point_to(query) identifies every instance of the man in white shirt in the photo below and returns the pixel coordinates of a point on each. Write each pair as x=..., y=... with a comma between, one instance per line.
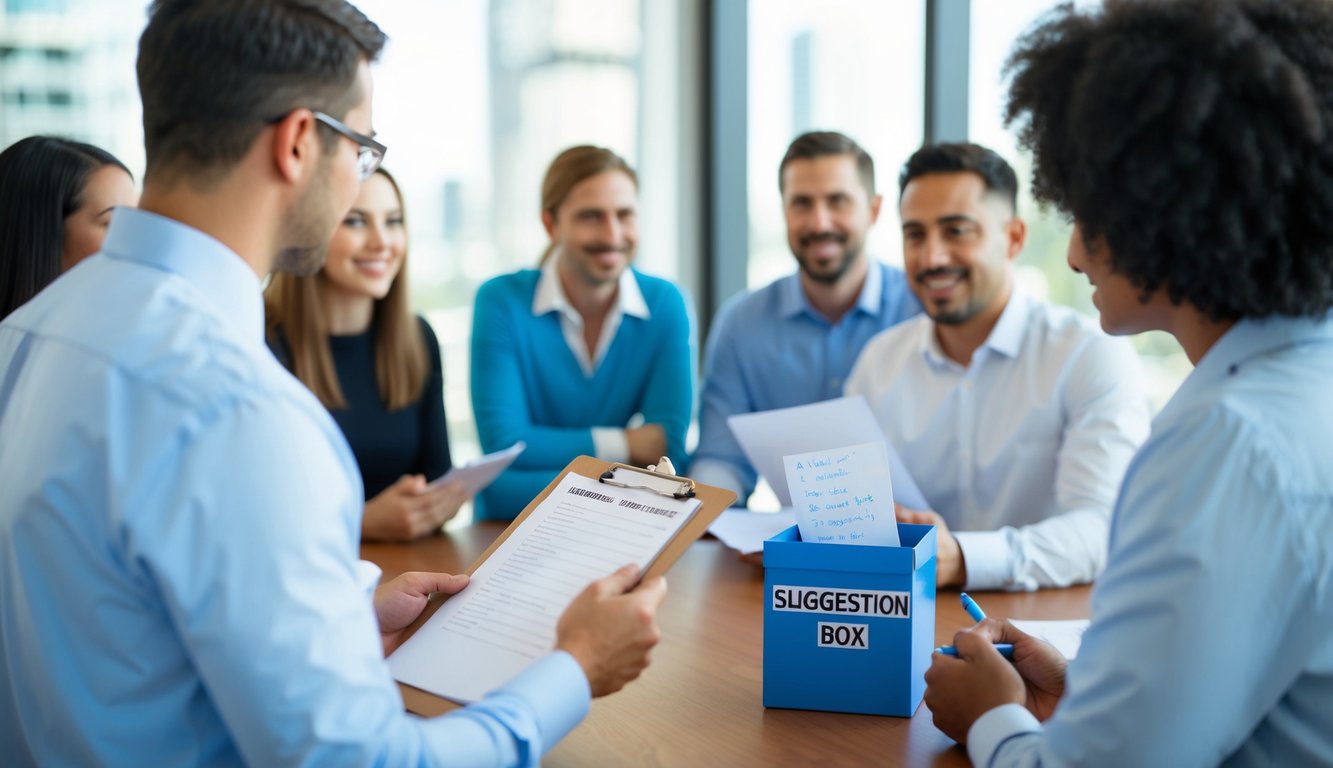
x=1017, y=418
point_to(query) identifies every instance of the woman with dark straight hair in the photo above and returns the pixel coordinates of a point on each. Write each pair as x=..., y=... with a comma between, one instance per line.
x=348, y=333
x=56, y=198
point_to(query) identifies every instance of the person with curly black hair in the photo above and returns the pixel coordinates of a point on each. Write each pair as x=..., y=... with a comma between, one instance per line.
x=1192, y=144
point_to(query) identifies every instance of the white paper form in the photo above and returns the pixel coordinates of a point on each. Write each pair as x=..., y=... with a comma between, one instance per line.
x=767, y=436
x=506, y=617
x=745, y=531
x=480, y=472
x=1065, y=634
x=843, y=495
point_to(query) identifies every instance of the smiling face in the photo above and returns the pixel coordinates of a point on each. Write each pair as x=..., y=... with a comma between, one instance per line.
x=595, y=229
x=1119, y=303
x=368, y=249
x=85, y=228
x=959, y=243
x=828, y=212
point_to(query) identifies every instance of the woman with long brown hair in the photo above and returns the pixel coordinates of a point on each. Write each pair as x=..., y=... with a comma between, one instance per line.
x=348, y=334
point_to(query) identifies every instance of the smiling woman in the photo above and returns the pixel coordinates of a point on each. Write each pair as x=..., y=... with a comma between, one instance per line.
x=56, y=198
x=347, y=334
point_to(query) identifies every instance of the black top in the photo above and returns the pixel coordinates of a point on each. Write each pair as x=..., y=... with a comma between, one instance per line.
x=387, y=444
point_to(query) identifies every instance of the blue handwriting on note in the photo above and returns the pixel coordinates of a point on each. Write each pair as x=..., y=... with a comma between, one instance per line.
x=843, y=495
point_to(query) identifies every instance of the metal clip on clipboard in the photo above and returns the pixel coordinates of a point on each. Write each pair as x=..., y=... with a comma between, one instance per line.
x=628, y=476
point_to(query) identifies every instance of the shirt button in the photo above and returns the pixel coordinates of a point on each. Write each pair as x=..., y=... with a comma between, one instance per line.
x=967, y=385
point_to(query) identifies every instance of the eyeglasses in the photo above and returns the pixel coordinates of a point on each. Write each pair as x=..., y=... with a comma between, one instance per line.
x=369, y=152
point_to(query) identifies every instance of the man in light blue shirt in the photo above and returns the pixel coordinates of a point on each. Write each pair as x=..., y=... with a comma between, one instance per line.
x=179, y=517
x=793, y=342
x=1200, y=206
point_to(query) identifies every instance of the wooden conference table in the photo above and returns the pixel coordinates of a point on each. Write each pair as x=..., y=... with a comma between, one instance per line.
x=700, y=702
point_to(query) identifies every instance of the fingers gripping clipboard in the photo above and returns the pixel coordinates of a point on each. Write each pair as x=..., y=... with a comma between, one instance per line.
x=595, y=478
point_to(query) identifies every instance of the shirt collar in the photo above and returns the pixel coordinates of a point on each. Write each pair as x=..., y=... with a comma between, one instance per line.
x=792, y=300
x=218, y=273
x=1247, y=340
x=1006, y=338
x=550, y=294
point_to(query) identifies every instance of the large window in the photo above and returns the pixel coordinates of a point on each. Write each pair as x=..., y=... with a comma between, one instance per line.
x=854, y=66
x=67, y=67
x=474, y=99
x=1043, y=269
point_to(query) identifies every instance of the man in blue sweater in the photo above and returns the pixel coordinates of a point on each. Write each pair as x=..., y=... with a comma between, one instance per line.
x=566, y=357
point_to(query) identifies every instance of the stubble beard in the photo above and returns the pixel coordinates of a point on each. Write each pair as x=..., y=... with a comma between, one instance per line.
x=306, y=229
x=843, y=265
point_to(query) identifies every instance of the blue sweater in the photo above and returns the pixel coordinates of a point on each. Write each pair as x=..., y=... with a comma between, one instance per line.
x=527, y=385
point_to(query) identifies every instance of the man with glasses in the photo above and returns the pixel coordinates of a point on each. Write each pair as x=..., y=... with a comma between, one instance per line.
x=369, y=153
x=179, y=517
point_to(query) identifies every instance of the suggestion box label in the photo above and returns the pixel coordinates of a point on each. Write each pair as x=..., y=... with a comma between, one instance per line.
x=847, y=602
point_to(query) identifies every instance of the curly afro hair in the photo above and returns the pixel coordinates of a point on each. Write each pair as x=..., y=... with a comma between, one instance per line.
x=1196, y=138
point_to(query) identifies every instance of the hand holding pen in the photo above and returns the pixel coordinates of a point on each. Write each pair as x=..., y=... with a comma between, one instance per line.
x=1006, y=649
x=962, y=686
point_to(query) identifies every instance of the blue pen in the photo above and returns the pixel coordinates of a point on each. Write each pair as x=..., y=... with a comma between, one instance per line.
x=1006, y=650
x=971, y=607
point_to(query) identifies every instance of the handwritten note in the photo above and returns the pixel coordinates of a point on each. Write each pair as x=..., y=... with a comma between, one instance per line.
x=843, y=495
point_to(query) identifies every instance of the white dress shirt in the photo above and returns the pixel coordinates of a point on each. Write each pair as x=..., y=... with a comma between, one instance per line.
x=609, y=443
x=1021, y=451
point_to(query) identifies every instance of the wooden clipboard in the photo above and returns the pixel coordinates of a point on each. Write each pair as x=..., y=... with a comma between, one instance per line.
x=712, y=502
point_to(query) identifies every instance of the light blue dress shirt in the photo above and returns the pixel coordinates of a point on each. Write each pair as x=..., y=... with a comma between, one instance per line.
x=1212, y=627
x=179, y=519
x=772, y=349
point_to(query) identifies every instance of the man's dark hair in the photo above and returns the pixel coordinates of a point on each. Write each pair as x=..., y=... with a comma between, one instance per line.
x=997, y=174
x=809, y=146
x=42, y=181
x=212, y=75
x=1194, y=138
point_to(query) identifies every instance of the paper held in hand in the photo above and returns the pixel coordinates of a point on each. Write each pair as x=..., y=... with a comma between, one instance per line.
x=767, y=436
x=843, y=495
x=505, y=618
x=480, y=472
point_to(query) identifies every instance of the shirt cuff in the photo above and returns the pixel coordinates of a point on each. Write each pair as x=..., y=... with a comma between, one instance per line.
x=986, y=555
x=610, y=444
x=557, y=690
x=721, y=474
x=368, y=577
x=996, y=727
